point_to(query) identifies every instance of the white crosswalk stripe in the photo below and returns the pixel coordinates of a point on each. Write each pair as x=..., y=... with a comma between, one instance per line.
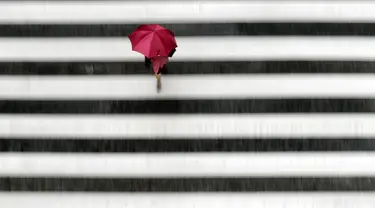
x=210, y=49
x=226, y=200
x=185, y=11
x=188, y=165
x=189, y=126
x=188, y=87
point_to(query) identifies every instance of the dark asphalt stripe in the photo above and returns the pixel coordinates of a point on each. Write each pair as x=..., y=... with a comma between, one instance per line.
x=158, y=145
x=200, y=29
x=214, y=106
x=188, y=184
x=245, y=67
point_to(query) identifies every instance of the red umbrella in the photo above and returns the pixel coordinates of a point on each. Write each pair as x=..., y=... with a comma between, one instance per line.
x=152, y=40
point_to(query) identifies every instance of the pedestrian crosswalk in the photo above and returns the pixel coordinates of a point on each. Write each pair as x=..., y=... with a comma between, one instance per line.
x=266, y=104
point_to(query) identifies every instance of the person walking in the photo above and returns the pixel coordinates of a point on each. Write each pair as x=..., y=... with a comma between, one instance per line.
x=157, y=44
x=159, y=66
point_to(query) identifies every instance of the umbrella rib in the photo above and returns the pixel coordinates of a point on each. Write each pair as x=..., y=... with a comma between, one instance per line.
x=160, y=39
x=143, y=37
x=163, y=40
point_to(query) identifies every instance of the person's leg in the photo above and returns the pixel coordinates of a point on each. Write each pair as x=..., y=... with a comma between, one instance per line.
x=162, y=70
x=158, y=81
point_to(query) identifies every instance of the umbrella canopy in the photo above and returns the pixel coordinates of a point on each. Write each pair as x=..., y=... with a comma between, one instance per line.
x=153, y=40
